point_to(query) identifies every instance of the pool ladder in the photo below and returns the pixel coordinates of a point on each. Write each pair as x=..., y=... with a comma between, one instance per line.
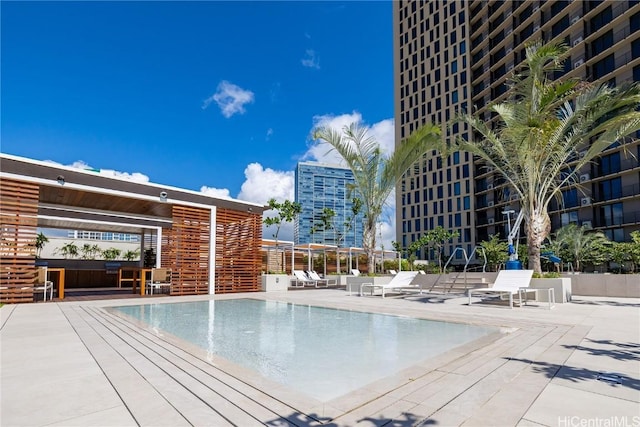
x=454, y=281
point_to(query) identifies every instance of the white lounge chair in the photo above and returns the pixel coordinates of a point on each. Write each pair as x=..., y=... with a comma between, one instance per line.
x=315, y=276
x=301, y=279
x=510, y=283
x=355, y=271
x=399, y=282
x=393, y=272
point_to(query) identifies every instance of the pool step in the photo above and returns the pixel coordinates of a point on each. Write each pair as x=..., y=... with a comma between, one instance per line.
x=460, y=283
x=184, y=389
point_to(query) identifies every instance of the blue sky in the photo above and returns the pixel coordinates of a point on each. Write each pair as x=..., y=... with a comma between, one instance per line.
x=217, y=97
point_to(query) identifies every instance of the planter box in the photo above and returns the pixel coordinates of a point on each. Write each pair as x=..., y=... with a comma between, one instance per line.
x=275, y=282
x=354, y=282
x=561, y=288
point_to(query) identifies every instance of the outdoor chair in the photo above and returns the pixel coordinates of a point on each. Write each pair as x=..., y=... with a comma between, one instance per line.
x=400, y=282
x=301, y=279
x=509, y=283
x=160, y=280
x=355, y=271
x=42, y=284
x=315, y=276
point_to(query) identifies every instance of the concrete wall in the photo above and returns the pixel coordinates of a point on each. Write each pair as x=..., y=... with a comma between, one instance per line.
x=605, y=285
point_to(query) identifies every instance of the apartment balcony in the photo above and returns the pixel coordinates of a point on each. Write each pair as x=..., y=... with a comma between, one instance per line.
x=601, y=196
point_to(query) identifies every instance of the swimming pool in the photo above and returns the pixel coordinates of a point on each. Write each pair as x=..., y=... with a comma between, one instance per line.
x=322, y=352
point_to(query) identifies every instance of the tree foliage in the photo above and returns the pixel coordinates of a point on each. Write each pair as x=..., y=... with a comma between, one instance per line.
x=436, y=239
x=634, y=250
x=41, y=240
x=496, y=251
x=541, y=127
x=284, y=212
x=89, y=251
x=68, y=250
x=131, y=255
x=376, y=173
x=579, y=245
x=111, y=253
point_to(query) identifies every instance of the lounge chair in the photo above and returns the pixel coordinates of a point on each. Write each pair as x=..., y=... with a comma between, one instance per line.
x=355, y=271
x=510, y=283
x=315, y=276
x=393, y=272
x=301, y=279
x=399, y=282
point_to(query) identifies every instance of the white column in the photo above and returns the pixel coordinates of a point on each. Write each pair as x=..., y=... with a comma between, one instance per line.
x=159, y=248
x=212, y=252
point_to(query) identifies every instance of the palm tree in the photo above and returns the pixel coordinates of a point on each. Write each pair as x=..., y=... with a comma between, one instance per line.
x=68, y=250
x=580, y=244
x=41, y=239
x=376, y=173
x=541, y=127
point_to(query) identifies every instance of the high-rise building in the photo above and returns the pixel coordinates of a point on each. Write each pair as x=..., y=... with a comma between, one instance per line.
x=320, y=186
x=453, y=56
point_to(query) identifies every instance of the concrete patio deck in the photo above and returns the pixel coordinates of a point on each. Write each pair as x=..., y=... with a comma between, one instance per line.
x=76, y=364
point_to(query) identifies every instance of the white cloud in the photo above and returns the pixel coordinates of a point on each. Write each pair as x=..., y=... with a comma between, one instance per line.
x=311, y=59
x=135, y=176
x=81, y=165
x=262, y=184
x=269, y=134
x=221, y=193
x=383, y=132
x=230, y=98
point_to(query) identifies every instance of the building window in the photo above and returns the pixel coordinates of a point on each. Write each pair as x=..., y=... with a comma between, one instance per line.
x=635, y=49
x=569, y=218
x=570, y=198
x=616, y=234
x=601, y=19
x=603, y=67
x=611, y=214
x=634, y=22
x=609, y=164
x=610, y=189
x=602, y=43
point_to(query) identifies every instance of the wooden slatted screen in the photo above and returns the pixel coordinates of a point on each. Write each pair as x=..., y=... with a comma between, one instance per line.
x=185, y=250
x=238, y=244
x=18, y=222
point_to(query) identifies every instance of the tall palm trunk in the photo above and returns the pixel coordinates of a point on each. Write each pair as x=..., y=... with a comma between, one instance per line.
x=369, y=245
x=538, y=227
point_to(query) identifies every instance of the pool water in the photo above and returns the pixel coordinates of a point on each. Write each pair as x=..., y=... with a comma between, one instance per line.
x=322, y=352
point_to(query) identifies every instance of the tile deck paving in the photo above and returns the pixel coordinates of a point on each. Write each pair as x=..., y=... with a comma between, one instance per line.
x=75, y=363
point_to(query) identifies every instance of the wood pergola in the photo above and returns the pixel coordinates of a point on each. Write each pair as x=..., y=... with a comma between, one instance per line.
x=212, y=245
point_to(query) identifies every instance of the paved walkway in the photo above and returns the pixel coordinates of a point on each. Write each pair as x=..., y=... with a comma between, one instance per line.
x=76, y=364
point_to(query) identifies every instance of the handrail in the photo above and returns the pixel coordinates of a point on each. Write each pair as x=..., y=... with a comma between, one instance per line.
x=484, y=255
x=447, y=263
